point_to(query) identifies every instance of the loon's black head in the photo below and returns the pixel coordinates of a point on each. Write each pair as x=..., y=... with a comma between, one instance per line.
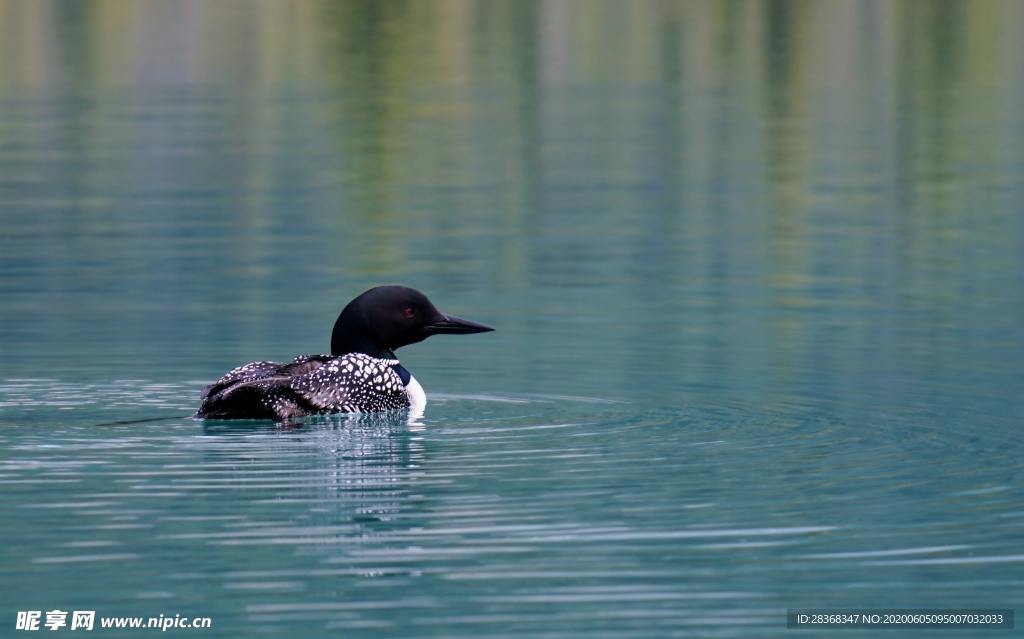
x=389, y=317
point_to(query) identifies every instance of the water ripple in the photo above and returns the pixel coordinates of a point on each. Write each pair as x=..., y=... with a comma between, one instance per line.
x=533, y=509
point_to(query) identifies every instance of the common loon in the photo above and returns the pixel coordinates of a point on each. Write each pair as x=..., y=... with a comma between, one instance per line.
x=361, y=374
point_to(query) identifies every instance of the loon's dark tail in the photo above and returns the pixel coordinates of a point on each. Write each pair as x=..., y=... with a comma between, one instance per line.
x=126, y=422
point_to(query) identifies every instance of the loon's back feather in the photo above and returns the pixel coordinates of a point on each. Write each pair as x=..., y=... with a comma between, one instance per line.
x=245, y=373
x=310, y=384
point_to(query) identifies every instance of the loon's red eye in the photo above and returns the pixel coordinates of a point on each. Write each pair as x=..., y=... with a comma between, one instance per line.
x=410, y=312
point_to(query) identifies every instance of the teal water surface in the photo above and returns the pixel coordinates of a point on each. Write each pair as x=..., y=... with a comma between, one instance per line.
x=756, y=270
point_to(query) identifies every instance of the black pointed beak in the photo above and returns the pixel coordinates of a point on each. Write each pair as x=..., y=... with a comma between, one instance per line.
x=451, y=325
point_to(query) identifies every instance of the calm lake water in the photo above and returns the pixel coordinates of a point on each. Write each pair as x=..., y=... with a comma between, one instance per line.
x=756, y=270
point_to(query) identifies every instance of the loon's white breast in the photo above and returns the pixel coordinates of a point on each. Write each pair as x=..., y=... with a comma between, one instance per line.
x=417, y=398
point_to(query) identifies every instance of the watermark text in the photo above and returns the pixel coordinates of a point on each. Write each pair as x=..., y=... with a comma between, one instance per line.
x=86, y=620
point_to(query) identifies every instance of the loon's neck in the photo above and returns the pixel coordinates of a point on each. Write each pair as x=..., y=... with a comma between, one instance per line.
x=345, y=344
x=388, y=358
